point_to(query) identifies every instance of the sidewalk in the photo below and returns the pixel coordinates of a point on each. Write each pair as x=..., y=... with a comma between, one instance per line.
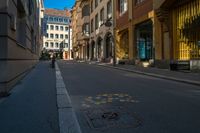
x=31, y=107
x=179, y=76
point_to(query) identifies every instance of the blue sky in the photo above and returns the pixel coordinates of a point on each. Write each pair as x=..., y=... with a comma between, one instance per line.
x=59, y=4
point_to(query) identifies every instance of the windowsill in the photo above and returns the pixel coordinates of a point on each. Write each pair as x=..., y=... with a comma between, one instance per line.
x=139, y=4
x=121, y=14
x=19, y=44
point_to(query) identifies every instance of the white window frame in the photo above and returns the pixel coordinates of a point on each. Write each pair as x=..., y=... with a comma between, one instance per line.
x=123, y=5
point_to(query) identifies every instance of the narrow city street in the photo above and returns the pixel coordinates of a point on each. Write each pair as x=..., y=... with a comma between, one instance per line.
x=114, y=101
x=100, y=66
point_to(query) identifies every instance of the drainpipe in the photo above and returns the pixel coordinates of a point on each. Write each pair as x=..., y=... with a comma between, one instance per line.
x=114, y=30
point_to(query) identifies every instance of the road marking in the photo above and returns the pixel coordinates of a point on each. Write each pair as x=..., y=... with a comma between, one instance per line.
x=68, y=122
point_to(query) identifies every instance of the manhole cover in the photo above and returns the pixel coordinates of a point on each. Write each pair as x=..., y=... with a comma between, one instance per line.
x=110, y=116
x=104, y=118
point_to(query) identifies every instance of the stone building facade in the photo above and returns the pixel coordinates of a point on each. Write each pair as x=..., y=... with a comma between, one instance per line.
x=92, y=39
x=101, y=46
x=19, y=39
x=76, y=30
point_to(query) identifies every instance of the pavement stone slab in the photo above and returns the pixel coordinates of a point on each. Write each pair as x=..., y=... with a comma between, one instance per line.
x=63, y=101
x=68, y=121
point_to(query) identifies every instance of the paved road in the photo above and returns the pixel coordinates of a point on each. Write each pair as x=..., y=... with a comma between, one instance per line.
x=113, y=101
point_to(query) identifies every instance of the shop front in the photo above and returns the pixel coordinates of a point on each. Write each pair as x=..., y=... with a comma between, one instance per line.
x=144, y=41
x=108, y=46
x=99, y=48
x=186, y=30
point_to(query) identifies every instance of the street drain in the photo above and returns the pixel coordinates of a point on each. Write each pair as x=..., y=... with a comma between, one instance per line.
x=115, y=117
x=110, y=116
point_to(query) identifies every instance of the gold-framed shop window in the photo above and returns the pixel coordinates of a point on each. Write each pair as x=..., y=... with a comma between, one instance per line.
x=186, y=31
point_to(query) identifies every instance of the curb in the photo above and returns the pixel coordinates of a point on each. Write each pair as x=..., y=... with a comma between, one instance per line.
x=68, y=122
x=153, y=75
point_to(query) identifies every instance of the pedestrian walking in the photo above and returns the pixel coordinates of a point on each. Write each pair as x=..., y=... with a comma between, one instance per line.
x=53, y=59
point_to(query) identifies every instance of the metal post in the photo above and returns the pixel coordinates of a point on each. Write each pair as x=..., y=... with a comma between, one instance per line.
x=114, y=29
x=69, y=42
x=114, y=54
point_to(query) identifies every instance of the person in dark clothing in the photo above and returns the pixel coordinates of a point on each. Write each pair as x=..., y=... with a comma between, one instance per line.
x=53, y=61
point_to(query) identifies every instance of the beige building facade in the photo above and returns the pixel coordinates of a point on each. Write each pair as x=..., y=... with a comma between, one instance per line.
x=19, y=39
x=58, y=33
x=101, y=47
x=76, y=29
x=83, y=41
x=92, y=39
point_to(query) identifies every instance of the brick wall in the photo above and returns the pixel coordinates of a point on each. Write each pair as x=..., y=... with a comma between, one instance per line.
x=121, y=20
x=142, y=8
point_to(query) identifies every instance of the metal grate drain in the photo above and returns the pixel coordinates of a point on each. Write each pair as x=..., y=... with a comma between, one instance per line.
x=110, y=116
x=104, y=118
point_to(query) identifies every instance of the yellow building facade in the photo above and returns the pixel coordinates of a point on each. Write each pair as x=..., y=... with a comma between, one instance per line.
x=134, y=31
x=186, y=22
x=123, y=31
x=177, y=31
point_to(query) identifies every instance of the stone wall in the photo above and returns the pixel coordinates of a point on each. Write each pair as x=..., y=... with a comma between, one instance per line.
x=15, y=58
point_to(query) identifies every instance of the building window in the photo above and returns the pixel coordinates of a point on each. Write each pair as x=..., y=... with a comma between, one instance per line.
x=21, y=28
x=61, y=28
x=96, y=21
x=52, y=44
x=47, y=35
x=51, y=19
x=60, y=20
x=61, y=36
x=109, y=9
x=52, y=27
x=51, y=36
x=56, y=36
x=56, y=19
x=85, y=11
x=66, y=28
x=57, y=28
x=92, y=3
x=101, y=16
x=138, y=1
x=66, y=45
x=56, y=45
x=123, y=6
x=96, y=3
x=47, y=27
x=86, y=29
x=92, y=25
x=66, y=36
x=65, y=20
x=61, y=45
x=46, y=44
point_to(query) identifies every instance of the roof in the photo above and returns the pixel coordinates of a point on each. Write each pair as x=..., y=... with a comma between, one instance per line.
x=57, y=12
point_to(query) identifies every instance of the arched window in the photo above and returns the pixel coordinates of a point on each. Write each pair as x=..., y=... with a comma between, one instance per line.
x=86, y=11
